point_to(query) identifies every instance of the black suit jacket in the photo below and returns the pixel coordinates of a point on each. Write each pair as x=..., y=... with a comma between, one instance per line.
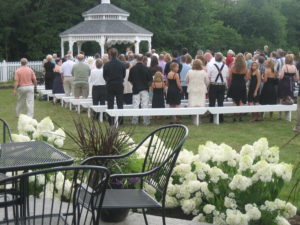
x=114, y=72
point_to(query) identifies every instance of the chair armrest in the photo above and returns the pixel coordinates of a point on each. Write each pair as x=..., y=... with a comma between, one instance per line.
x=109, y=157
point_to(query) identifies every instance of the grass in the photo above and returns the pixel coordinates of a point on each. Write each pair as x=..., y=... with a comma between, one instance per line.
x=236, y=135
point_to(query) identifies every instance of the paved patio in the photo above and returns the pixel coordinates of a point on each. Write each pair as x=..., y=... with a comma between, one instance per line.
x=137, y=219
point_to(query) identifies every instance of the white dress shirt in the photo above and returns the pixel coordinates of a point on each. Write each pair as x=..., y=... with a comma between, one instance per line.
x=96, y=78
x=213, y=72
x=67, y=67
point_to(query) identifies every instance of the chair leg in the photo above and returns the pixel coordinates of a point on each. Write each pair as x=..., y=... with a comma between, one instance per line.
x=145, y=216
x=163, y=214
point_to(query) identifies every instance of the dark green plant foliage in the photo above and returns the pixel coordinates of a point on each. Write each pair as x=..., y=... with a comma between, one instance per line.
x=30, y=28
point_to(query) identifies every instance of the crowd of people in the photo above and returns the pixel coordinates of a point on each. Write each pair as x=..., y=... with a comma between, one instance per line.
x=154, y=80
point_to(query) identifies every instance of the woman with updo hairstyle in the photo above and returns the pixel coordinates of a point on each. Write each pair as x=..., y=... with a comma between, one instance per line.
x=49, y=72
x=268, y=94
x=287, y=76
x=58, y=87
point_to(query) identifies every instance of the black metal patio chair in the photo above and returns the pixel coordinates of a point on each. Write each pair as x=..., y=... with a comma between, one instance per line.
x=6, y=133
x=164, y=145
x=50, y=197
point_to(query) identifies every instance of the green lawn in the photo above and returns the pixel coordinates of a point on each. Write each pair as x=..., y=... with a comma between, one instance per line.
x=278, y=132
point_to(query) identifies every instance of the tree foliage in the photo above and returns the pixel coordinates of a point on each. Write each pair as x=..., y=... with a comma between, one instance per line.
x=31, y=28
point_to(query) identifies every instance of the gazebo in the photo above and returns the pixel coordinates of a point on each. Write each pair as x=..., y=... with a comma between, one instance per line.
x=108, y=25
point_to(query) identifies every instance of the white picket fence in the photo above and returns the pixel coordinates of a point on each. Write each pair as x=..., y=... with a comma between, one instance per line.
x=8, y=69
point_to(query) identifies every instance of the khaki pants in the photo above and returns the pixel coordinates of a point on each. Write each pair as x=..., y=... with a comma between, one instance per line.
x=25, y=99
x=141, y=98
x=68, y=85
x=81, y=89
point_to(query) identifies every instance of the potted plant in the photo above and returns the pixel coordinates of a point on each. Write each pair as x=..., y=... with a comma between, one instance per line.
x=98, y=139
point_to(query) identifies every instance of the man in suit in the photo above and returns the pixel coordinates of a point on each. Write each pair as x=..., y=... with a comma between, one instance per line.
x=114, y=73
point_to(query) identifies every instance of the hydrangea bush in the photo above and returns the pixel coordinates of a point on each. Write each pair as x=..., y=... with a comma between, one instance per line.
x=224, y=187
x=31, y=130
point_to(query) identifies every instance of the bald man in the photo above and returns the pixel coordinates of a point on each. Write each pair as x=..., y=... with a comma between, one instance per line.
x=25, y=80
x=81, y=73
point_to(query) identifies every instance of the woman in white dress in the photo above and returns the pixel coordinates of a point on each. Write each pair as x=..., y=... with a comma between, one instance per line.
x=197, y=81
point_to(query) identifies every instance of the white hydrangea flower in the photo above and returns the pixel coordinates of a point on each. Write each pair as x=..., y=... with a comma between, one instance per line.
x=283, y=170
x=201, y=169
x=194, y=186
x=40, y=179
x=20, y=138
x=172, y=190
x=260, y=146
x=204, y=153
x=253, y=212
x=204, y=189
x=190, y=177
x=59, y=143
x=150, y=189
x=289, y=210
x=49, y=189
x=281, y=221
x=67, y=188
x=185, y=157
x=216, y=174
x=263, y=171
x=45, y=126
x=188, y=206
x=245, y=163
x=219, y=219
x=182, y=169
x=199, y=218
x=240, y=182
x=183, y=192
x=171, y=202
x=235, y=217
x=208, y=209
x=230, y=203
x=23, y=121
x=248, y=150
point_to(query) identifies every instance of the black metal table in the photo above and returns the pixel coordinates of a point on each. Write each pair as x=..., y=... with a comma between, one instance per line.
x=31, y=155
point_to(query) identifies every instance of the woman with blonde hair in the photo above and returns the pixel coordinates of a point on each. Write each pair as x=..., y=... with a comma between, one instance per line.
x=174, y=88
x=237, y=78
x=288, y=74
x=268, y=94
x=158, y=87
x=197, y=81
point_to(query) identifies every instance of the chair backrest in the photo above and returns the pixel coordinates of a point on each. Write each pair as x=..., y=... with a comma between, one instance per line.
x=5, y=132
x=164, y=145
x=55, y=196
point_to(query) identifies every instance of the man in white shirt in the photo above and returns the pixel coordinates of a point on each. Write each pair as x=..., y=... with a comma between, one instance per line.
x=218, y=75
x=67, y=75
x=209, y=59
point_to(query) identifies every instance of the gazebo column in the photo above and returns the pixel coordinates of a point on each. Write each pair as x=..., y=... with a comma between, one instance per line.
x=137, y=46
x=102, y=45
x=62, y=48
x=71, y=44
x=149, y=46
x=79, y=46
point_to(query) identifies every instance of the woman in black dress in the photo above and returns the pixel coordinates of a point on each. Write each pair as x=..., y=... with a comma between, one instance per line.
x=268, y=94
x=237, y=90
x=174, y=88
x=254, y=88
x=287, y=77
x=49, y=73
x=58, y=87
x=158, y=87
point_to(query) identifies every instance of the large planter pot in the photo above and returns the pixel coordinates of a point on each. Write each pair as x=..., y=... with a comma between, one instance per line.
x=114, y=215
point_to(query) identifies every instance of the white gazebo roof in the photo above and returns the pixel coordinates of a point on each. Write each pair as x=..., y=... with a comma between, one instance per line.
x=106, y=24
